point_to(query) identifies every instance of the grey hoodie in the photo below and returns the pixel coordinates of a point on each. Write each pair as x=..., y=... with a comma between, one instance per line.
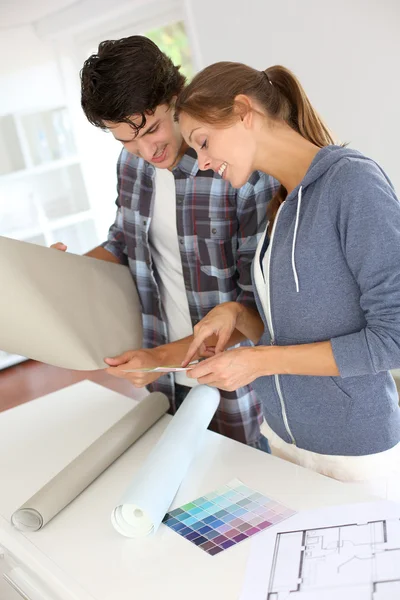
x=335, y=275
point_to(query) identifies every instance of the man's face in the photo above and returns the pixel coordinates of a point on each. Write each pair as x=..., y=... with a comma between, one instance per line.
x=159, y=142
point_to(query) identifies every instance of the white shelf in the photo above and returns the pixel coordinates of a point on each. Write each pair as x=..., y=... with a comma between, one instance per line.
x=40, y=169
x=43, y=193
x=24, y=234
x=35, y=139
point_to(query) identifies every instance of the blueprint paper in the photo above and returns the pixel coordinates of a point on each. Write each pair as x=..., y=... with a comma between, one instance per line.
x=66, y=310
x=348, y=552
x=81, y=472
x=154, y=486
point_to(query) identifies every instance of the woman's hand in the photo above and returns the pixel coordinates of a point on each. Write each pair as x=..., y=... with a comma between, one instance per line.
x=238, y=367
x=231, y=369
x=221, y=323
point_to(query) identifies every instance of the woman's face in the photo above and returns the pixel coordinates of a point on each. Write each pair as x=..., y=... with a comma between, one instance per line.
x=228, y=151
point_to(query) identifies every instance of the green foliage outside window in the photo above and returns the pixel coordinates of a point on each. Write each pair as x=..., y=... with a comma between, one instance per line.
x=172, y=39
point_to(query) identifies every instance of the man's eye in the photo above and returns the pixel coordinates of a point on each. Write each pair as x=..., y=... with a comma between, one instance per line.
x=153, y=130
x=204, y=145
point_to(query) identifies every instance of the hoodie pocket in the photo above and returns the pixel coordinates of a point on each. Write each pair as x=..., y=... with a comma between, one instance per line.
x=371, y=396
x=336, y=382
x=315, y=400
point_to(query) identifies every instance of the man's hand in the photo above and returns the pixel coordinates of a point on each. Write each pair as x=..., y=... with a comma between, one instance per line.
x=59, y=246
x=99, y=252
x=136, y=359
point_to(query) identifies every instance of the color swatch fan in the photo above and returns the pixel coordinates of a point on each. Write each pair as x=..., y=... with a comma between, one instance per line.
x=226, y=517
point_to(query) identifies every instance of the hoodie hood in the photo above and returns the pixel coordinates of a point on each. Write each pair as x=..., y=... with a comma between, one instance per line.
x=323, y=161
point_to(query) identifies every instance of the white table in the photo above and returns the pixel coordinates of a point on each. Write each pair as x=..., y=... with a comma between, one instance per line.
x=78, y=555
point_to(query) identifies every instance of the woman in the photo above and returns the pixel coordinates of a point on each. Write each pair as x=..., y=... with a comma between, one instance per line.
x=326, y=275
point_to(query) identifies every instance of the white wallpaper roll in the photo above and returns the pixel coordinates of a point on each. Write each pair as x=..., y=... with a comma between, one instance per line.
x=154, y=486
x=66, y=310
x=83, y=470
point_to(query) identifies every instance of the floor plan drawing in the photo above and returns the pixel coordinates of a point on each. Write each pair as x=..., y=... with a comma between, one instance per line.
x=357, y=562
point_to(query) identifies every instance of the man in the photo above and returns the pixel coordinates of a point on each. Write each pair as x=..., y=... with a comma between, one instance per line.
x=187, y=235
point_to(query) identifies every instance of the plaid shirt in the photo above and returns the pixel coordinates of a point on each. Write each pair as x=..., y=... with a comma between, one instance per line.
x=218, y=229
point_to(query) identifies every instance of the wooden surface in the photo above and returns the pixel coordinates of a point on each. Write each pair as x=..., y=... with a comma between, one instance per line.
x=30, y=380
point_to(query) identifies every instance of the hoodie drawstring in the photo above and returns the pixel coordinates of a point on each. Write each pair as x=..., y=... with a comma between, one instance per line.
x=296, y=225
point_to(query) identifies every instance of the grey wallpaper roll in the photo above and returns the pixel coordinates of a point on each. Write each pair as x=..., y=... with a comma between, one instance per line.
x=66, y=310
x=81, y=472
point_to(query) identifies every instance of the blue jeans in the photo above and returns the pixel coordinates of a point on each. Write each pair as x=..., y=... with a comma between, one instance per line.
x=261, y=444
x=181, y=391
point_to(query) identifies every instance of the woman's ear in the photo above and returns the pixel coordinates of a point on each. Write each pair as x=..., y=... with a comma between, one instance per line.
x=243, y=108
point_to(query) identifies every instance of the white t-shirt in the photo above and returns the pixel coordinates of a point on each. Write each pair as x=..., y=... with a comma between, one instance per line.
x=380, y=472
x=163, y=238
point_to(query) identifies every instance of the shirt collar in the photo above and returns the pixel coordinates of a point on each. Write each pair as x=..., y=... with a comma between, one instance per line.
x=188, y=163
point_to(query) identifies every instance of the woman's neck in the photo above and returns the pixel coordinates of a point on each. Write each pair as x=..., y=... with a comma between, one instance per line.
x=284, y=154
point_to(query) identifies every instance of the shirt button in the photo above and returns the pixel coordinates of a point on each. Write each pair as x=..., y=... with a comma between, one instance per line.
x=181, y=241
x=213, y=230
x=179, y=201
x=144, y=223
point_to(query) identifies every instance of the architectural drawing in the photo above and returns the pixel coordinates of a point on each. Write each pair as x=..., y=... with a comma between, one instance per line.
x=357, y=562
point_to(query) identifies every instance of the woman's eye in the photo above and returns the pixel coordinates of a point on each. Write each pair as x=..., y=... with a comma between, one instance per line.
x=204, y=145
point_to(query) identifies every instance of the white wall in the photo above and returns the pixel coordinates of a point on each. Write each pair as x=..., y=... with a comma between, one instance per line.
x=29, y=76
x=346, y=54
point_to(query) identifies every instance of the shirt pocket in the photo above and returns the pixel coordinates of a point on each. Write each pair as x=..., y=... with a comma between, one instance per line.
x=217, y=248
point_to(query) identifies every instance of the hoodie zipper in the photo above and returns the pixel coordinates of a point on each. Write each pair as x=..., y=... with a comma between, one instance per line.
x=272, y=333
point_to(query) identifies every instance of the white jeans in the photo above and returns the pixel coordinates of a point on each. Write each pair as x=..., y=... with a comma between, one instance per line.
x=374, y=474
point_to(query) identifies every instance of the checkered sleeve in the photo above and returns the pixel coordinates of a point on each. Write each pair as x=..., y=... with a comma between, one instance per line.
x=116, y=243
x=252, y=200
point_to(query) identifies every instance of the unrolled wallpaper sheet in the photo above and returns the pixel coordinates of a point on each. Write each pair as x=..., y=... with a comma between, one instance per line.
x=153, y=487
x=65, y=310
x=82, y=471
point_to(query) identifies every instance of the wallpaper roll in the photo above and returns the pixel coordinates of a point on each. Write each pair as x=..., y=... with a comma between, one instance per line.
x=66, y=310
x=83, y=470
x=154, y=486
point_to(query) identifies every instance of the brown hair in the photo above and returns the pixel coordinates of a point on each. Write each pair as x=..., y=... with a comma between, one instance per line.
x=210, y=98
x=127, y=77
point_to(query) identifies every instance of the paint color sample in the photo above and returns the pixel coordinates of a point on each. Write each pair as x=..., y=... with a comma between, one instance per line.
x=226, y=517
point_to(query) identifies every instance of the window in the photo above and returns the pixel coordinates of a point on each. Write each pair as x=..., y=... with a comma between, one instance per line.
x=173, y=41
